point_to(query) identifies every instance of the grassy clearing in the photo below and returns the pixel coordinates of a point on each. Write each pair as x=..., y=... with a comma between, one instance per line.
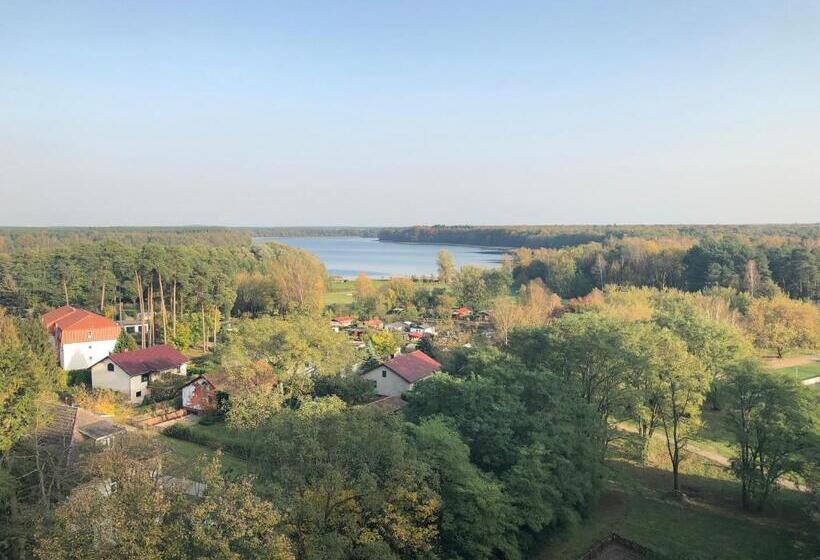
x=187, y=456
x=802, y=372
x=340, y=292
x=708, y=524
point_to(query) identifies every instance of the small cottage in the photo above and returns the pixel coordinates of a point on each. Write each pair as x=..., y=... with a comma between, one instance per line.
x=131, y=372
x=399, y=374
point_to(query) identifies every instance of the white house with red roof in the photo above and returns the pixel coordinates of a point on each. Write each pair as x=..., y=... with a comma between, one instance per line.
x=131, y=372
x=80, y=337
x=399, y=374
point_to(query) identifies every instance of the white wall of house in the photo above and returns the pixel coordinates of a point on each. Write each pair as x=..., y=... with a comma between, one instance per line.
x=80, y=355
x=118, y=380
x=388, y=382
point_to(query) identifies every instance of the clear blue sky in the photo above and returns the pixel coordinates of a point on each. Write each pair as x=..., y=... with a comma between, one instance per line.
x=399, y=113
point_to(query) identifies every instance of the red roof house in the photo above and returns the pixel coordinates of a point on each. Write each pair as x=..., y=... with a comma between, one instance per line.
x=399, y=374
x=462, y=312
x=132, y=372
x=153, y=359
x=80, y=337
x=342, y=321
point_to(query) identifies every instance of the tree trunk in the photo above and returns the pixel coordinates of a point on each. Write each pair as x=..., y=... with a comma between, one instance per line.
x=164, y=315
x=102, y=299
x=65, y=291
x=204, y=329
x=152, y=324
x=142, y=310
x=174, y=308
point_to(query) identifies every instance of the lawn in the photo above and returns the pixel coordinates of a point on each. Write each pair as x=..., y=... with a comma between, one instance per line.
x=188, y=453
x=804, y=371
x=186, y=457
x=340, y=292
x=707, y=524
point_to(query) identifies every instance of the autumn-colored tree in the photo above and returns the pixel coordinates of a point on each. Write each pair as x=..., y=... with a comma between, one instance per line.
x=782, y=323
x=365, y=295
x=446, y=266
x=299, y=281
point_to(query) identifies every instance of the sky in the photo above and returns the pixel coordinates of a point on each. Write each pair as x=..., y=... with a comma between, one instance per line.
x=403, y=113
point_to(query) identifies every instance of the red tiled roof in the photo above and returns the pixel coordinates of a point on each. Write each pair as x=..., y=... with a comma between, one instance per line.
x=71, y=324
x=343, y=319
x=463, y=311
x=413, y=366
x=146, y=360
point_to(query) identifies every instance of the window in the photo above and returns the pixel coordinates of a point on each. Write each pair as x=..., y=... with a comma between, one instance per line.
x=145, y=378
x=89, y=347
x=384, y=373
x=110, y=367
x=139, y=393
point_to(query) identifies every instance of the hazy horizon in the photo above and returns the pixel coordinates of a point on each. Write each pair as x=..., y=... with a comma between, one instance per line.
x=337, y=114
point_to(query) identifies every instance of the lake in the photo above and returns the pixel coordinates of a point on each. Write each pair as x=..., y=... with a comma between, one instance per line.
x=348, y=256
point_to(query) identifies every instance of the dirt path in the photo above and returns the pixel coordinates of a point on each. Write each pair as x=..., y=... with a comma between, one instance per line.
x=716, y=458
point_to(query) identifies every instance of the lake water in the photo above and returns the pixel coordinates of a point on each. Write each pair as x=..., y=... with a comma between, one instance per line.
x=348, y=256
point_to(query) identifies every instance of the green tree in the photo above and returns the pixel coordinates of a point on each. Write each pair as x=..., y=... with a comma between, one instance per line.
x=295, y=348
x=125, y=342
x=682, y=383
x=477, y=520
x=385, y=343
x=771, y=417
x=350, y=484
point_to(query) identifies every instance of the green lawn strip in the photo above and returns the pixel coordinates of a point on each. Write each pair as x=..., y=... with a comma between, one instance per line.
x=805, y=371
x=187, y=456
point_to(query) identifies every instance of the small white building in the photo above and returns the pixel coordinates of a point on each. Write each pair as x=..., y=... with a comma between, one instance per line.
x=80, y=337
x=130, y=373
x=399, y=374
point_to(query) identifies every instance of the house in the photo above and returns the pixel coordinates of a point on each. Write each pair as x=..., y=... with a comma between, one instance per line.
x=131, y=372
x=396, y=326
x=341, y=321
x=80, y=338
x=374, y=324
x=101, y=432
x=423, y=329
x=199, y=395
x=66, y=426
x=462, y=313
x=399, y=374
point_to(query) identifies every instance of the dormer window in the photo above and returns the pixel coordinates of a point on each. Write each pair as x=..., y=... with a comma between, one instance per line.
x=89, y=335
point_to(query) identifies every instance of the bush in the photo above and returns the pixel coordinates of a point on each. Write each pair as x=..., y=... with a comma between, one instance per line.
x=79, y=377
x=352, y=390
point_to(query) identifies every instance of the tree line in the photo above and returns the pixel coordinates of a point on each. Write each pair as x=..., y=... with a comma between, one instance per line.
x=556, y=237
x=759, y=269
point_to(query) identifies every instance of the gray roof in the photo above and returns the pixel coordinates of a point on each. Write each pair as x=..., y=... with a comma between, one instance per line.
x=100, y=430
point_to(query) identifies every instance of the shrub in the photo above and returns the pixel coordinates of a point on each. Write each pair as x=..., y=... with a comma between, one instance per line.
x=79, y=377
